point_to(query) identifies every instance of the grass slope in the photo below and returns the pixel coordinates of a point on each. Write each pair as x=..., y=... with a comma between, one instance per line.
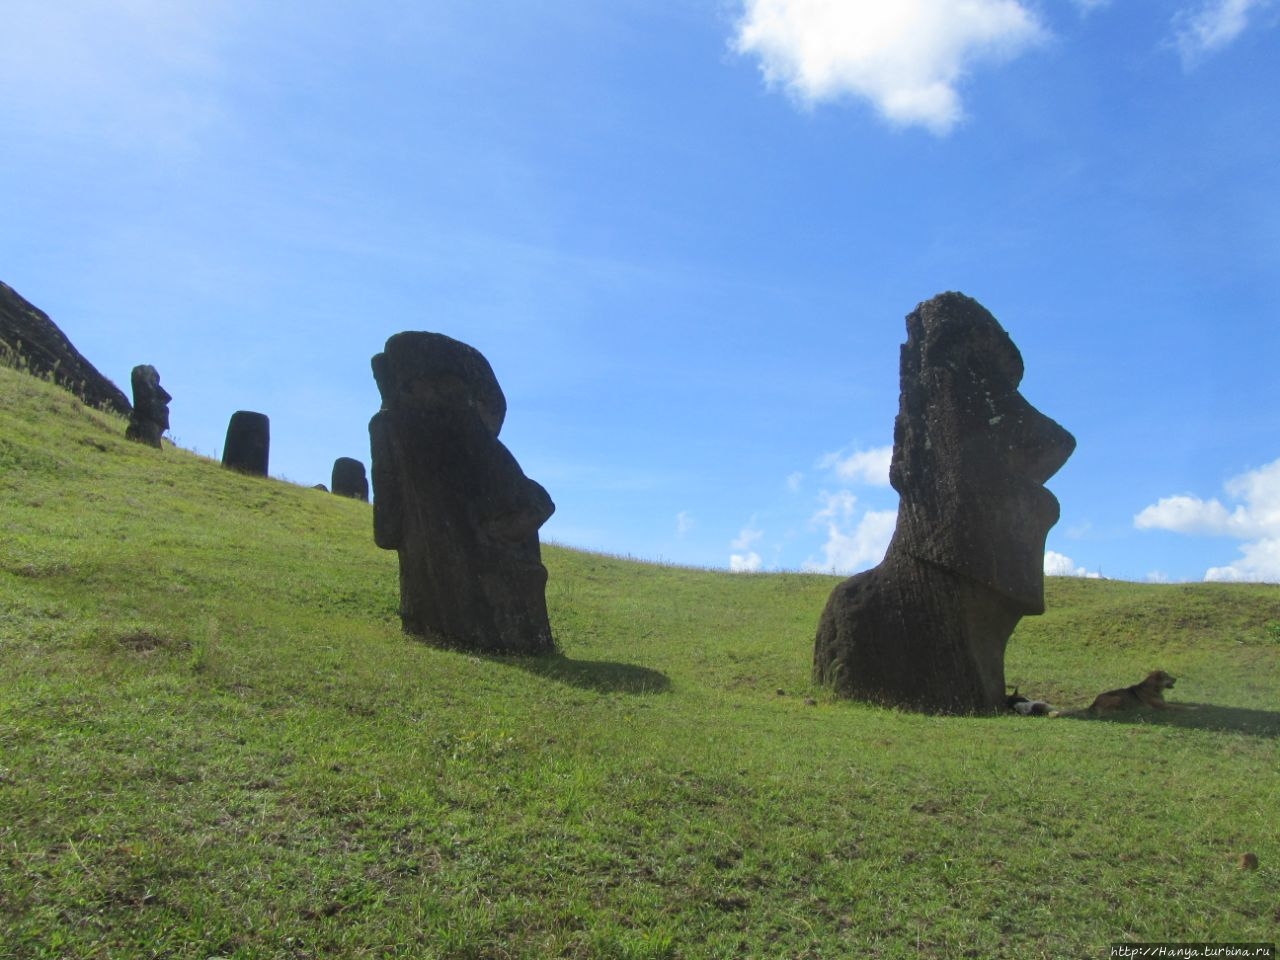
x=216, y=742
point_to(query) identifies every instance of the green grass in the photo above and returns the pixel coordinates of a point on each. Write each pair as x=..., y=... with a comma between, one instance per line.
x=216, y=742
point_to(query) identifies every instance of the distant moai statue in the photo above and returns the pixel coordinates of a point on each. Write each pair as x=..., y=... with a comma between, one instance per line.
x=248, y=446
x=150, y=416
x=453, y=501
x=349, y=479
x=927, y=628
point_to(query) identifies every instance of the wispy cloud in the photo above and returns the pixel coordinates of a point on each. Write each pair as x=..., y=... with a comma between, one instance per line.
x=856, y=537
x=862, y=466
x=746, y=537
x=746, y=560
x=1212, y=26
x=848, y=550
x=684, y=523
x=1255, y=518
x=906, y=58
x=838, y=506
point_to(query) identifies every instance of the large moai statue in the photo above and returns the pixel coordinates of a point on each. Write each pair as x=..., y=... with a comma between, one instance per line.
x=248, y=446
x=927, y=628
x=150, y=417
x=349, y=479
x=451, y=499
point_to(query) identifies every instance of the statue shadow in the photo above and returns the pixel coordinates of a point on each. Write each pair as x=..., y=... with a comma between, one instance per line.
x=602, y=676
x=1199, y=716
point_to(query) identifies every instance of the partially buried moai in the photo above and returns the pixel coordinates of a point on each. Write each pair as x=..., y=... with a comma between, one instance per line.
x=349, y=479
x=248, y=446
x=927, y=628
x=451, y=499
x=150, y=416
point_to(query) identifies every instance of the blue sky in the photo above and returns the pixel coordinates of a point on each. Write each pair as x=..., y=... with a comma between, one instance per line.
x=685, y=235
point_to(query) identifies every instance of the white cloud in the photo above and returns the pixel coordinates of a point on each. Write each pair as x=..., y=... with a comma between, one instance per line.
x=1183, y=514
x=836, y=506
x=746, y=560
x=684, y=523
x=906, y=56
x=748, y=535
x=850, y=545
x=1060, y=565
x=1213, y=26
x=794, y=480
x=847, y=551
x=1259, y=561
x=862, y=466
x=1255, y=519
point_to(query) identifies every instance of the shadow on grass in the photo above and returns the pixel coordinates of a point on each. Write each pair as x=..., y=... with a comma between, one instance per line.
x=603, y=676
x=1199, y=716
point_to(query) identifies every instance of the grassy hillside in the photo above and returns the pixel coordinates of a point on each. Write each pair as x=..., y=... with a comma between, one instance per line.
x=216, y=742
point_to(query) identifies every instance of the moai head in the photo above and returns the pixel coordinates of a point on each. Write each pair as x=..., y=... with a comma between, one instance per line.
x=248, y=446
x=150, y=417
x=450, y=498
x=432, y=373
x=971, y=455
x=349, y=479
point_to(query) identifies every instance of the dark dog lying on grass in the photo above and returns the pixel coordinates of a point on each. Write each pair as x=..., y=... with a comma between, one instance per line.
x=1028, y=707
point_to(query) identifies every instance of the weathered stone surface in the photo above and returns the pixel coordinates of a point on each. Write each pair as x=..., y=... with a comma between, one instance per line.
x=248, y=446
x=349, y=479
x=927, y=628
x=451, y=499
x=27, y=333
x=150, y=417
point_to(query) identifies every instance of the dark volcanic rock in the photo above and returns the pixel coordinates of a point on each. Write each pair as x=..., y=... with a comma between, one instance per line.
x=927, y=628
x=248, y=446
x=150, y=417
x=349, y=479
x=451, y=499
x=28, y=333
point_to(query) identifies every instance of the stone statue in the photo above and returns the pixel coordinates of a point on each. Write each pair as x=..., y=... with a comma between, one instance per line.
x=150, y=417
x=248, y=446
x=349, y=479
x=927, y=628
x=453, y=501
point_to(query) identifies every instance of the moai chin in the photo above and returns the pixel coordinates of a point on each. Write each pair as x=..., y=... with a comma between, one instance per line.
x=150, y=416
x=927, y=628
x=452, y=501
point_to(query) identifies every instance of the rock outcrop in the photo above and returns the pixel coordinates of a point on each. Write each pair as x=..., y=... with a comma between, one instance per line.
x=29, y=336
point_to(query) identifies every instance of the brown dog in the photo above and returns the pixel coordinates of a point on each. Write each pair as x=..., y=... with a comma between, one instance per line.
x=1148, y=693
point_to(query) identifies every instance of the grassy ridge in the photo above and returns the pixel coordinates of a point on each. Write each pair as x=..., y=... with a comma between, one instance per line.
x=215, y=741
